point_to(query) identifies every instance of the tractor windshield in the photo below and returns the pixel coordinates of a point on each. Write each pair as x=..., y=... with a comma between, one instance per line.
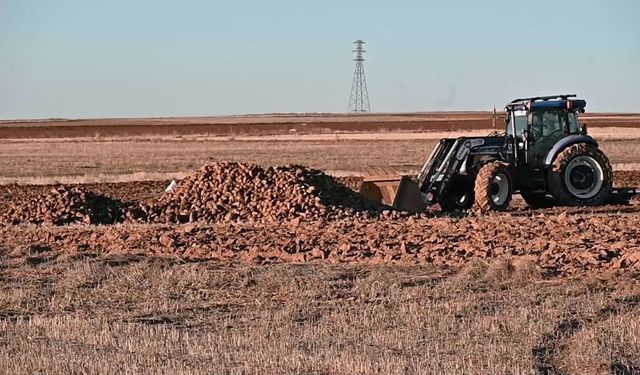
x=520, y=117
x=548, y=121
x=553, y=121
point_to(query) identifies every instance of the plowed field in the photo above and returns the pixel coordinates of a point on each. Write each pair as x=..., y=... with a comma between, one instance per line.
x=251, y=268
x=238, y=212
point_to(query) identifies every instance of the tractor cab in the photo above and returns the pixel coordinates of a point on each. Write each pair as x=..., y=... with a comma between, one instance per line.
x=537, y=124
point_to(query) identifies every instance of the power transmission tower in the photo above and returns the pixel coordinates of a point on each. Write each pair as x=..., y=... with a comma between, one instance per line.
x=359, y=100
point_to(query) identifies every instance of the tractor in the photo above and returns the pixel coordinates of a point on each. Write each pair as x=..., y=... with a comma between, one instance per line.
x=544, y=155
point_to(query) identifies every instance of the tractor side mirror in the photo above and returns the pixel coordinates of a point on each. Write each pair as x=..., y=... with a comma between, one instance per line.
x=530, y=118
x=583, y=129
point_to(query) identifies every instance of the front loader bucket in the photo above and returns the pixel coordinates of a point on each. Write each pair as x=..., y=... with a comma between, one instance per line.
x=401, y=192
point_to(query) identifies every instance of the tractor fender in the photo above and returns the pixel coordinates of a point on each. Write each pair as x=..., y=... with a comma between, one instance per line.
x=566, y=142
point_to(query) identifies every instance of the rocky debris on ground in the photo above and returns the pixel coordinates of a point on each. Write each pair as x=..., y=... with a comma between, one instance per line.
x=558, y=243
x=239, y=192
x=626, y=179
x=302, y=215
x=64, y=205
x=217, y=193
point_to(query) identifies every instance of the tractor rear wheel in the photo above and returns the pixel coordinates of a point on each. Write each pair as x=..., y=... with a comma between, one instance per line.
x=459, y=196
x=494, y=186
x=536, y=200
x=581, y=175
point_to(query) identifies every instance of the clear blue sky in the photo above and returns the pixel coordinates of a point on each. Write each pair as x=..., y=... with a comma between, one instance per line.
x=112, y=58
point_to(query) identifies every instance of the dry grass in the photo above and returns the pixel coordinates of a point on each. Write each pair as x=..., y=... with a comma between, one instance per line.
x=146, y=315
x=91, y=159
x=106, y=160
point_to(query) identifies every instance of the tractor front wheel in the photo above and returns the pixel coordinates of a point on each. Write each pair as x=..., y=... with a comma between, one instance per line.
x=581, y=175
x=494, y=186
x=459, y=196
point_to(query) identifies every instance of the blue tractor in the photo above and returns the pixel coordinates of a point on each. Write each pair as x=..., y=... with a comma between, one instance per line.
x=544, y=155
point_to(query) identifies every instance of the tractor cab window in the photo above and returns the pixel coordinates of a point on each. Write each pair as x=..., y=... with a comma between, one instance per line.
x=520, y=117
x=548, y=122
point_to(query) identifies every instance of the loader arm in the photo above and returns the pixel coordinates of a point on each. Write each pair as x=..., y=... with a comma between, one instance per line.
x=439, y=172
x=449, y=156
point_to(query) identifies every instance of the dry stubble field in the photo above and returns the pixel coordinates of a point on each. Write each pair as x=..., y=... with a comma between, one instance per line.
x=524, y=292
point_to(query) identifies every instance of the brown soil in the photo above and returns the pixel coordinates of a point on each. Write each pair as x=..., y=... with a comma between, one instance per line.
x=630, y=179
x=549, y=291
x=275, y=124
x=64, y=205
x=260, y=223
x=239, y=192
x=560, y=242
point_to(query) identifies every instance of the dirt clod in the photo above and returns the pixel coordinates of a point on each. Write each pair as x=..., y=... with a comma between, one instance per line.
x=64, y=205
x=238, y=192
x=243, y=212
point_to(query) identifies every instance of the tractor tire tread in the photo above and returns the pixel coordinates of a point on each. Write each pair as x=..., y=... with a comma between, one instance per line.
x=483, y=186
x=556, y=177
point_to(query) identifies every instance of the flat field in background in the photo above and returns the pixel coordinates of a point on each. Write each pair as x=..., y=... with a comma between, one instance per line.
x=79, y=311
x=276, y=124
x=148, y=149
